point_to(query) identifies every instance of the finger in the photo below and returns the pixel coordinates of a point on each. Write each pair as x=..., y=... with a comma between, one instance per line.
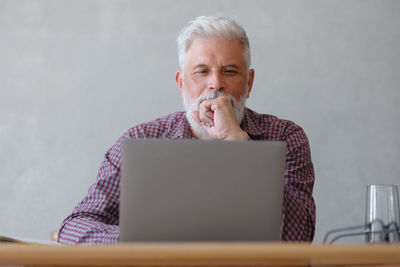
x=206, y=115
x=195, y=116
x=202, y=116
x=210, y=116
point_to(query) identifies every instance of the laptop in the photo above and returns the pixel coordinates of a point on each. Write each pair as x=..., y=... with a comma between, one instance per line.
x=193, y=190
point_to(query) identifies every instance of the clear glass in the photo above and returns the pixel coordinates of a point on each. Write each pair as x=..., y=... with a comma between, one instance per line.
x=382, y=214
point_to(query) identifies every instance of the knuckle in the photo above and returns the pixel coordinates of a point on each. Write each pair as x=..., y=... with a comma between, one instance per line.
x=223, y=99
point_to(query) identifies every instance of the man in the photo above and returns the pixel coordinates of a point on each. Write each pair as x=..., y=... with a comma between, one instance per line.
x=214, y=80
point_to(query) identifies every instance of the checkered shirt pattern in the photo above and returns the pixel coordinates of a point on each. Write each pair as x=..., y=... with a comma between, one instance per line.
x=95, y=218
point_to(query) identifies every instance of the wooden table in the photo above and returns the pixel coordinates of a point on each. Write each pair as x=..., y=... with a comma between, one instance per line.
x=201, y=254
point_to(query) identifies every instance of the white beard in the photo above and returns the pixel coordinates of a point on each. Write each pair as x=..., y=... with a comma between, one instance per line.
x=238, y=107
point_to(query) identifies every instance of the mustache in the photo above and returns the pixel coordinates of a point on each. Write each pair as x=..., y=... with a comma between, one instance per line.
x=213, y=95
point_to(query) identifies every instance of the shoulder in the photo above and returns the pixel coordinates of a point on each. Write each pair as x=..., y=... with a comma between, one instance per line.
x=157, y=128
x=267, y=125
x=163, y=127
x=270, y=127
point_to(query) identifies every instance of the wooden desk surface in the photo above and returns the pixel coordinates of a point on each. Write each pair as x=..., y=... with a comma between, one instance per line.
x=201, y=254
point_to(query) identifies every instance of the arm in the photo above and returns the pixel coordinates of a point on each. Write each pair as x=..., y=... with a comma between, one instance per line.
x=298, y=206
x=95, y=218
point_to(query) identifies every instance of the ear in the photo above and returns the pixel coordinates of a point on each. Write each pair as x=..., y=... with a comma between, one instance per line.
x=179, y=82
x=250, y=81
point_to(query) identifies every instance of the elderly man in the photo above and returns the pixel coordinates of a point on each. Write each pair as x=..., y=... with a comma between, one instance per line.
x=215, y=80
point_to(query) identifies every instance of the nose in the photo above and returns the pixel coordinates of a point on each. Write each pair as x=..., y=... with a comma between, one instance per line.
x=216, y=82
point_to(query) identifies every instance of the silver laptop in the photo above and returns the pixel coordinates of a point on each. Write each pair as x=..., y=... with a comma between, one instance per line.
x=192, y=190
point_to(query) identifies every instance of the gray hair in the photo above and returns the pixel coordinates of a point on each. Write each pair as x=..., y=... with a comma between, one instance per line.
x=219, y=26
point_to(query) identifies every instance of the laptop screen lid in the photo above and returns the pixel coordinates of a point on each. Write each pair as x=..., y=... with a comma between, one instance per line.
x=193, y=190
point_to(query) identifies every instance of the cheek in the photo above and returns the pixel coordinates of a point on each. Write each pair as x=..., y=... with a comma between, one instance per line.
x=237, y=89
x=194, y=88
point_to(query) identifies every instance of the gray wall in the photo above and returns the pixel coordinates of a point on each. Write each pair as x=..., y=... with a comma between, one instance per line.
x=74, y=75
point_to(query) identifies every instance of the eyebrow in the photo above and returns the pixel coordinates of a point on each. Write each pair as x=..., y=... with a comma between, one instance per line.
x=231, y=65
x=201, y=65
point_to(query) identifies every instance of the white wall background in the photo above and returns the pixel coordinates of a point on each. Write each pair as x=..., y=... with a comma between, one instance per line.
x=74, y=75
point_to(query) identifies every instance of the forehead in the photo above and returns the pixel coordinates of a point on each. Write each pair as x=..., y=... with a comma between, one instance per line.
x=211, y=51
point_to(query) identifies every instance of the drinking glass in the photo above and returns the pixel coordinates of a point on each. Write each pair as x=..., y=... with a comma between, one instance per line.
x=382, y=214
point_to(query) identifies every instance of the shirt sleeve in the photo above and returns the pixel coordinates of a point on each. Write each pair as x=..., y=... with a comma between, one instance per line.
x=95, y=218
x=298, y=207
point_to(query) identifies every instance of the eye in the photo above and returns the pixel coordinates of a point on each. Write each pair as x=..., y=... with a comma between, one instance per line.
x=229, y=71
x=201, y=71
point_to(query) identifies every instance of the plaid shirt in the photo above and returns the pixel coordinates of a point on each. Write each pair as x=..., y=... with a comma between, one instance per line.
x=95, y=218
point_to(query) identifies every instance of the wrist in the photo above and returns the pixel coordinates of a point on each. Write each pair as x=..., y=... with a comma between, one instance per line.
x=239, y=135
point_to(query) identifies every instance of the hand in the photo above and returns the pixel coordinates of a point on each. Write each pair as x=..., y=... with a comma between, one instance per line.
x=217, y=116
